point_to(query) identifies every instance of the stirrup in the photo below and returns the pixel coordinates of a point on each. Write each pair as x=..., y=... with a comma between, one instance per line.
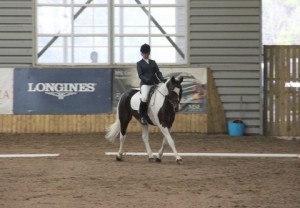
x=143, y=121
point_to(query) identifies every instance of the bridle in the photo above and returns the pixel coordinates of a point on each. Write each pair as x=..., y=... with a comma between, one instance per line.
x=173, y=102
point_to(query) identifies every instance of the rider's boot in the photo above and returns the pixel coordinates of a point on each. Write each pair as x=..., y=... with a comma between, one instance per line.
x=143, y=113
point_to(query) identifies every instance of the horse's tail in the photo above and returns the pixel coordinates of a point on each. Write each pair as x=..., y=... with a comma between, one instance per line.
x=113, y=130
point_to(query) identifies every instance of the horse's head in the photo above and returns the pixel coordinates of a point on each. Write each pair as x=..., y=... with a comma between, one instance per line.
x=174, y=91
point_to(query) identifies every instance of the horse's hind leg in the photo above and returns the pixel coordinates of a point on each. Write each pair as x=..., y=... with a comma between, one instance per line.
x=121, y=149
x=125, y=115
x=145, y=136
x=124, y=121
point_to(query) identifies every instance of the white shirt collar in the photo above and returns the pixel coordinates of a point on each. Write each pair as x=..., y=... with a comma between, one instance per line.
x=147, y=60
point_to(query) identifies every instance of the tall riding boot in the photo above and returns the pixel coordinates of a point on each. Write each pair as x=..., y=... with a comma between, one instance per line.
x=143, y=113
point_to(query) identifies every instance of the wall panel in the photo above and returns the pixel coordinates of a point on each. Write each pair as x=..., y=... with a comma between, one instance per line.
x=17, y=32
x=225, y=35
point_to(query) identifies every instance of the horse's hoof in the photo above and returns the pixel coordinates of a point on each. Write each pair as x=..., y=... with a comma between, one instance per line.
x=119, y=159
x=158, y=160
x=151, y=159
x=179, y=161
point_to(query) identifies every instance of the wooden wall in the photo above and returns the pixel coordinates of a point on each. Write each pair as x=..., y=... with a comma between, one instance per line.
x=282, y=100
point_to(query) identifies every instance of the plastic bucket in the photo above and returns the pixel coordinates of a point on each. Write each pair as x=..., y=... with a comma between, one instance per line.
x=236, y=128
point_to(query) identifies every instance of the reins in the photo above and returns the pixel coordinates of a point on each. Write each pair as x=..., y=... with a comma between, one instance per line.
x=169, y=100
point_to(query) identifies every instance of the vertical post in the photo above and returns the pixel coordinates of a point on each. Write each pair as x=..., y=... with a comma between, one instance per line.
x=111, y=32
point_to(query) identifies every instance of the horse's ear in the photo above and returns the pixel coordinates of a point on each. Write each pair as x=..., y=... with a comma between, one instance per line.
x=180, y=79
x=172, y=79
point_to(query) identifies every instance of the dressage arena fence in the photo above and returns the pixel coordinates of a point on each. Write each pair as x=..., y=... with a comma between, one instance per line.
x=282, y=90
x=89, y=123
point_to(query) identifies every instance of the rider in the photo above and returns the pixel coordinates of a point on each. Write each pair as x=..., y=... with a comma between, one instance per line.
x=150, y=75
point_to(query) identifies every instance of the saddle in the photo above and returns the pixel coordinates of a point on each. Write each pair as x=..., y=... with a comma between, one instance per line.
x=151, y=91
x=136, y=98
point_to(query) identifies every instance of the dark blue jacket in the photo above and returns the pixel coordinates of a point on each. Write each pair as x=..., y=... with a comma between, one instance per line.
x=149, y=73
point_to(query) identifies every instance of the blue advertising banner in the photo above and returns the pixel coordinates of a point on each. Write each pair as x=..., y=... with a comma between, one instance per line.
x=62, y=91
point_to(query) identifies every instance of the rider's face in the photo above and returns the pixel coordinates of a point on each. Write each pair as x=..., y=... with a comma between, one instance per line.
x=145, y=55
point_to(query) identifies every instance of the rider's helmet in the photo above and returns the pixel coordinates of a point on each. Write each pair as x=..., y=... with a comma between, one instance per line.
x=145, y=48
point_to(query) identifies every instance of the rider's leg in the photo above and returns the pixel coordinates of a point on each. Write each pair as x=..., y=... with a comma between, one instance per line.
x=143, y=106
x=143, y=113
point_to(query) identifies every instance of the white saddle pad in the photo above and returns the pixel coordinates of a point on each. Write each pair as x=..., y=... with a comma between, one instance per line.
x=135, y=101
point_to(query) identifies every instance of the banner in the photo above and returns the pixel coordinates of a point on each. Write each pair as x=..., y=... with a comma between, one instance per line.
x=194, y=86
x=62, y=91
x=6, y=90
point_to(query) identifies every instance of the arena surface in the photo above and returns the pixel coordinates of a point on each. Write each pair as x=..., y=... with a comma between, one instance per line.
x=82, y=176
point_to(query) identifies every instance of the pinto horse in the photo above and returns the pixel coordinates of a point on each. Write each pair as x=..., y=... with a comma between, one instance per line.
x=163, y=103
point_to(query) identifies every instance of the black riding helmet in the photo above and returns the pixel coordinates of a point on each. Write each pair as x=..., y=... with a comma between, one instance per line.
x=145, y=48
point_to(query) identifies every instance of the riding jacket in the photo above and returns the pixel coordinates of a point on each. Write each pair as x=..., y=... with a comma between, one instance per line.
x=149, y=72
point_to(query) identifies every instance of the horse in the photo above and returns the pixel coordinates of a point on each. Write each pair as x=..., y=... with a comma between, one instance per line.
x=163, y=103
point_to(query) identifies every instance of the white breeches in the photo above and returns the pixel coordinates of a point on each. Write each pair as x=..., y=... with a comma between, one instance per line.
x=144, y=92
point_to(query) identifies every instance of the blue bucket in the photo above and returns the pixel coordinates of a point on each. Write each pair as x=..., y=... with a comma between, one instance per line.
x=236, y=128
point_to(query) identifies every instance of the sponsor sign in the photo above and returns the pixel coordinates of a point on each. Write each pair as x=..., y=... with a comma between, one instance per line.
x=6, y=90
x=62, y=91
x=194, y=86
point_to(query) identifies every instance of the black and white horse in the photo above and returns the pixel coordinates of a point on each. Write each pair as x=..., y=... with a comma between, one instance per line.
x=162, y=105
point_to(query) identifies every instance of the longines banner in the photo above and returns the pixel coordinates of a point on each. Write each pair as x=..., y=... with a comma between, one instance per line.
x=194, y=86
x=62, y=91
x=6, y=90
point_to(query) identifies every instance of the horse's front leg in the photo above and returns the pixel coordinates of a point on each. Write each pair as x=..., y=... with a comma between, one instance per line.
x=161, y=150
x=121, y=149
x=171, y=142
x=145, y=136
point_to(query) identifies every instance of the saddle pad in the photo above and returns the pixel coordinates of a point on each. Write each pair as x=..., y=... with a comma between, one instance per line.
x=136, y=98
x=135, y=101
